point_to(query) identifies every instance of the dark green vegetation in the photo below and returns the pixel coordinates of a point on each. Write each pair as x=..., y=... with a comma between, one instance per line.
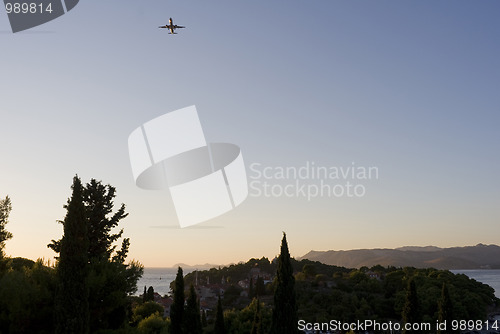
x=411, y=307
x=445, y=309
x=27, y=291
x=386, y=294
x=89, y=288
x=72, y=293
x=192, y=315
x=327, y=292
x=219, y=326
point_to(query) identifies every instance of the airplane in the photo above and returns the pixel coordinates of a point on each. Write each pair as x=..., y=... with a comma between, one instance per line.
x=171, y=26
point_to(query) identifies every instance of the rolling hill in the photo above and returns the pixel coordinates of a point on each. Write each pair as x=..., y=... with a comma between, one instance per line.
x=469, y=257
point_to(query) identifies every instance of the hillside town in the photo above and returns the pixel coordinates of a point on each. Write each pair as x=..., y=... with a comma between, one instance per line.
x=208, y=291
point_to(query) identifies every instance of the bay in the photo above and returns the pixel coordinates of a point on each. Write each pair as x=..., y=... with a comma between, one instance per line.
x=159, y=279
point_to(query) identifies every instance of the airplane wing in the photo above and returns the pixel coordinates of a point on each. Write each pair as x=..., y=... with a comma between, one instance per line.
x=176, y=27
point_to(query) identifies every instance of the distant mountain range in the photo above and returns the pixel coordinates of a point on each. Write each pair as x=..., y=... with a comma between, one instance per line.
x=205, y=266
x=469, y=257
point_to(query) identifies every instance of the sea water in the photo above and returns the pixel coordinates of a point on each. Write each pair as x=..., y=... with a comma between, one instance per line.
x=159, y=279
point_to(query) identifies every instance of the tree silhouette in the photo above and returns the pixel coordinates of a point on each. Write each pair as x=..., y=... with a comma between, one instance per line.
x=219, y=327
x=204, y=322
x=257, y=327
x=177, y=308
x=150, y=294
x=109, y=279
x=260, y=288
x=250, y=288
x=5, y=208
x=192, y=317
x=284, y=319
x=71, y=302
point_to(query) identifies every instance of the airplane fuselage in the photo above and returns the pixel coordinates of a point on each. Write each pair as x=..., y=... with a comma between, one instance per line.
x=171, y=26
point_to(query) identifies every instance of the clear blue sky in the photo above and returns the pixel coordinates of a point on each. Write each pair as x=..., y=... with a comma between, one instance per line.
x=409, y=87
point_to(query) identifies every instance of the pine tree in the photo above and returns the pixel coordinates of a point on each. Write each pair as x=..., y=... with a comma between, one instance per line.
x=177, y=308
x=192, y=318
x=445, y=309
x=219, y=327
x=71, y=302
x=98, y=201
x=411, y=306
x=284, y=319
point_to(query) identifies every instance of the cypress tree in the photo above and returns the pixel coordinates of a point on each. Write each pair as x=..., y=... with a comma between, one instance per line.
x=204, y=322
x=177, y=308
x=260, y=288
x=151, y=294
x=445, y=309
x=411, y=306
x=71, y=302
x=219, y=327
x=145, y=295
x=192, y=318
x=284, y=319
x=257, y=320
x=250, y=288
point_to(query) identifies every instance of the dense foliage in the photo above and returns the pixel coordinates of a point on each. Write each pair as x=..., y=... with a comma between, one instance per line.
x=145, y=310
x=381, y=294
x=256, y=316
x=90, y=287
x=27, y=291
x=326, y=292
